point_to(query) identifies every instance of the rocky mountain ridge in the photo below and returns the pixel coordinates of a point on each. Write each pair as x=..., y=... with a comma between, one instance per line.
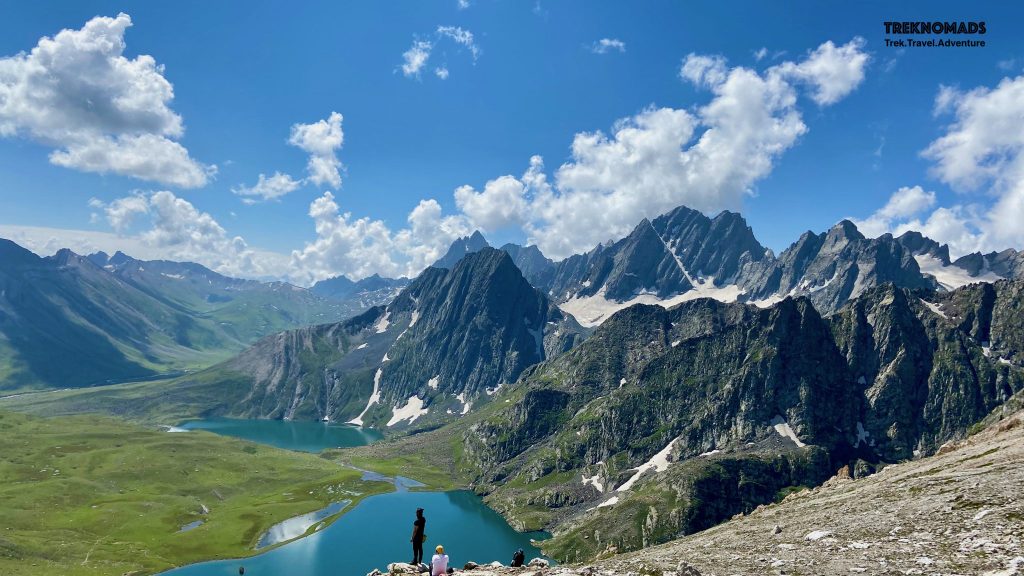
x=666, y=422
x=451, y=339
x=957, y=512
x=683, y=255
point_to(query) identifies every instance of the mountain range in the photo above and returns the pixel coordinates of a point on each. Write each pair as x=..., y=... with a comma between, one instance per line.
x=652, y=387
x=68, y=320
x=683, y=255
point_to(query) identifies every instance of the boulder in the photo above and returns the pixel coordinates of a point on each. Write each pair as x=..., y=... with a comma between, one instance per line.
x=470, y=566
x=538, y=563
x=403, y=568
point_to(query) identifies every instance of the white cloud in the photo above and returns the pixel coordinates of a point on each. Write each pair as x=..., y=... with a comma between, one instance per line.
x=905, y=203
x=415, y=58
x=760, y=53
x=708, y=158
x=501, y=204
x=271, y=188
x=463, y=4
x=176, y=230
x=343, y=245
x=460, y=36
x=605, y=45
x=100, y=111
x=359, y=247
x=122, y=212
x=834, y=71
x=981, y=156
x=321, y=140
x=429, y=235
x=702, y=70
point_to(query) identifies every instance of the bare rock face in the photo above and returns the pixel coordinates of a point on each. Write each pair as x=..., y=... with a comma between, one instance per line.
x=667, y=422
x=954, y=513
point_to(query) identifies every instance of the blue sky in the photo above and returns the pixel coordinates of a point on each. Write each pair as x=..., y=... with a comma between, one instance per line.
x=244, y=73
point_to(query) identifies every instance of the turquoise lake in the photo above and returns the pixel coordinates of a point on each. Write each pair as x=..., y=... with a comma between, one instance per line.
x=376, y=531
x=288, y=434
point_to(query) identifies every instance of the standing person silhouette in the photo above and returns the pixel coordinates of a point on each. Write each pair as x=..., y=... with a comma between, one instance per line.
x=419, y=528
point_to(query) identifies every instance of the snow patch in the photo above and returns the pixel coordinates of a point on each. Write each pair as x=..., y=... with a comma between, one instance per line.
x=174, y=276
x=710, y=453
x=658, y=463
x=461, y=397
x=591, y=311
x=433, y=382
x=1004, y=361
x=784, y=430
x=609, y=502
x=934, y=308
x=412, y=410
x=951, y=277
x=385, y=358
x=415, y=318
x=382, y=323
x=594, y=481
x=767, y=302
x=361, y=346
x=374, y=398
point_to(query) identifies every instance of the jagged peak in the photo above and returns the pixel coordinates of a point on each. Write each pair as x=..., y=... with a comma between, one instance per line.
x=846, y=230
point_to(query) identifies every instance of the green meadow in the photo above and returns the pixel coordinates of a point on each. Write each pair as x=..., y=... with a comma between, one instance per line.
x=90, y=495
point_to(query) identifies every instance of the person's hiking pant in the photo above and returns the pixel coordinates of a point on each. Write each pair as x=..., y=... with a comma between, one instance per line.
x=417, y=552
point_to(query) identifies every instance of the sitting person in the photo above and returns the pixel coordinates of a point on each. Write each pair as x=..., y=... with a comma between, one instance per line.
x=518, y=558
x=439, y=563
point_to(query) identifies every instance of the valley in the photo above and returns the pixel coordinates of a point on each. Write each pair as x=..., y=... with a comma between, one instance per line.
x=704, y=377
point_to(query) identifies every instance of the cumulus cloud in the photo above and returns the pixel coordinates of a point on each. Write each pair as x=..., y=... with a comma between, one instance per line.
x=321, y=140
x=176, y=230
x=605, y=45
x=265, y=189
x=428, y=235
x=359, y=247
x=501, y=204
x=101, y=112
x=122, y=212
x=833, y=71
x=981, y=156
x=708, y=158
x=905, y=203
x=703, y=70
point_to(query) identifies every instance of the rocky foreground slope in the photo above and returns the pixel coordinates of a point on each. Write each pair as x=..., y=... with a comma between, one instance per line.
x=958, y=512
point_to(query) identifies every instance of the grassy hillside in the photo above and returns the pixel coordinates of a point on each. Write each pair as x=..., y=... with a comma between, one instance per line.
x=96, y=496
